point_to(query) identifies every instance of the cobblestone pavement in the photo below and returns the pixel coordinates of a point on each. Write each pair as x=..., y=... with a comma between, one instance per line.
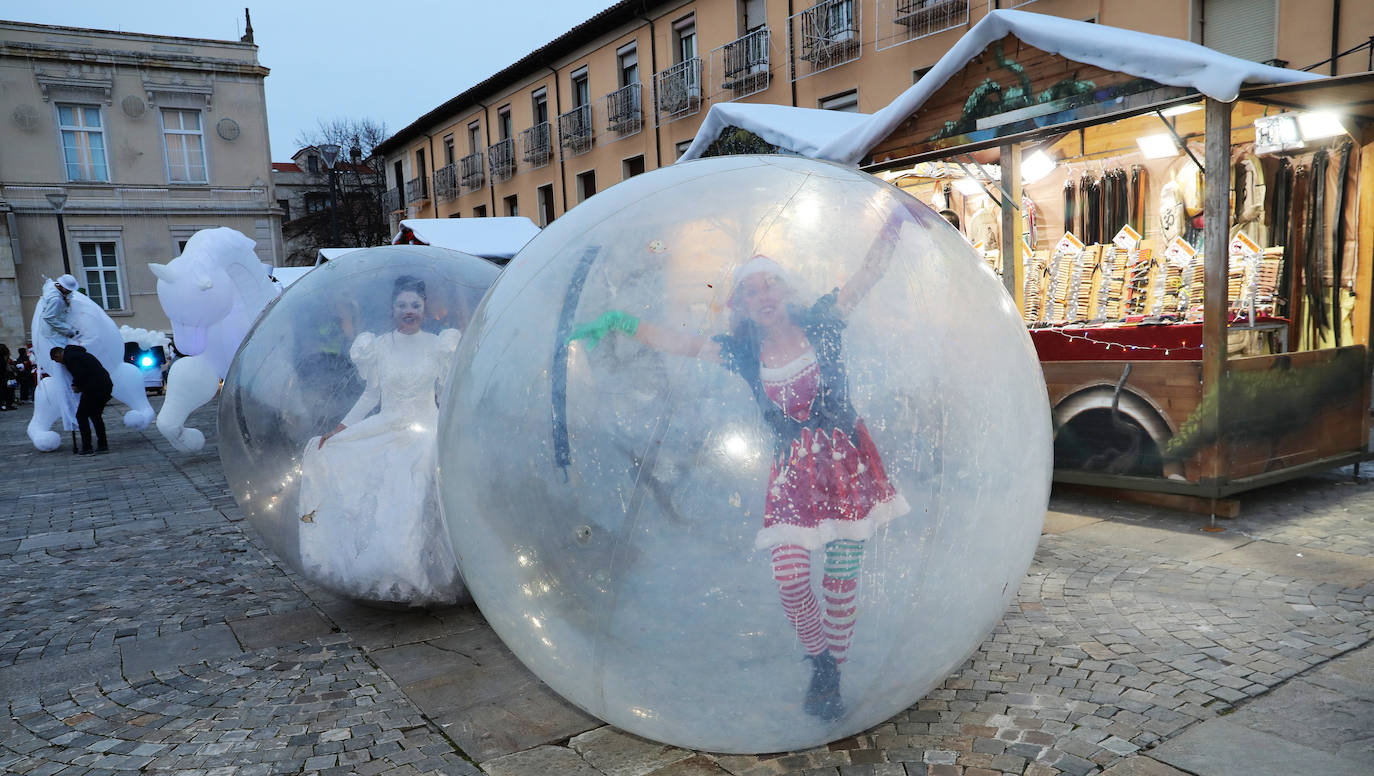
x=143, y=628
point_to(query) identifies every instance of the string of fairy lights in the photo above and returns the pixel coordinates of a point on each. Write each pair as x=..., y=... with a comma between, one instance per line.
x=1167, y=349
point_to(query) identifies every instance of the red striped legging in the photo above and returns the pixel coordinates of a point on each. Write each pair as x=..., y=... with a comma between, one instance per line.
x=792, y=571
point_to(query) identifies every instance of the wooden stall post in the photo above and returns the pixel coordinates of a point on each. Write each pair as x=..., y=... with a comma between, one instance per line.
x=1215, y=246
x=1011, y=223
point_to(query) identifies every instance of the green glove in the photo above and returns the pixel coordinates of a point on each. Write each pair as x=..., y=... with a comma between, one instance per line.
x=611, y=320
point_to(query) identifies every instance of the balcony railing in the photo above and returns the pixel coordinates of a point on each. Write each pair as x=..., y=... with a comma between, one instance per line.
x=501, y=157
x=391, y=200
x=416, y=190
x=575, y=130
x=535, y=148
x=446, y=182
x=825, y=35
x=470, y=169
x=678, y=90
x=624, y=111
x=744, y=64
x=901, y=21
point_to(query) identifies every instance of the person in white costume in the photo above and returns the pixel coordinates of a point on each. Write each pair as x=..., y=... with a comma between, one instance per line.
x=370, y=523
x=53, y=310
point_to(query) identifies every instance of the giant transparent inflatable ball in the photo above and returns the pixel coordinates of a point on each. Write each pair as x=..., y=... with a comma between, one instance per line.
x=329, y=414
x=750, y=454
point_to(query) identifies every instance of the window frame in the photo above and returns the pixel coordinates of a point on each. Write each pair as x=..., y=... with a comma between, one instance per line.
x=841, y=98
x=685, y=28
x=167, y=149
x=62, y=144
x=122, y=290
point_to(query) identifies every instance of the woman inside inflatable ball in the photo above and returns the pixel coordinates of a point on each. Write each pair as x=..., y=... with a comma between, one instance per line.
x=328, y=421
x=827, y=488
x=376, y=464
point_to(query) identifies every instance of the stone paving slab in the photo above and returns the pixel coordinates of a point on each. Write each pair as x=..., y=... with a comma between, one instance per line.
x=617, y=753
x=30, y=678
x=1301, y=562
x=144, y=656
x=481, y=695
x=1220, y=748
x=285, y=628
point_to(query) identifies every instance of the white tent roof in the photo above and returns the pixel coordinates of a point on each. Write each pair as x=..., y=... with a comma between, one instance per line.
x=288, y=275
x=330, y=254
x=1169, y=61
x=800, y=130
x=491, y=238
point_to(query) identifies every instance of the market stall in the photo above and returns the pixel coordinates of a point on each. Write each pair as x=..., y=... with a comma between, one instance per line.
x=496, y=239
x=1188, y=237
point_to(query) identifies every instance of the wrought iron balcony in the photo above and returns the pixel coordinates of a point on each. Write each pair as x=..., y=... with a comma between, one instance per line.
x=829, y=33
x=391, y=201
x=501, y=157
x=678, y=90
x=470, y=169
x=624, y=113
x=925, y=17
x=745, y=63
x=535, y=148
x=575, y=130
x=446, y=182
x=416, y=190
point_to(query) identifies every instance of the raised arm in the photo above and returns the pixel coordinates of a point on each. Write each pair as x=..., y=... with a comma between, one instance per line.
x=874, y=265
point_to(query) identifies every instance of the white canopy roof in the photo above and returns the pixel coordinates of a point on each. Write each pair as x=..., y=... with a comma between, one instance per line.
x=799, y=130
x=1169, y=61
x=491, y=238
x=330, y=254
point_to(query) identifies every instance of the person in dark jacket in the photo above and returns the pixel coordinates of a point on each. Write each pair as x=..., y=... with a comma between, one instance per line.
x=90, y=380
x=23, y=366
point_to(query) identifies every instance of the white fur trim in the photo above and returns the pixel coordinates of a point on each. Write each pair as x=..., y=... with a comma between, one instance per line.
x=758, y=264
x=813, y=538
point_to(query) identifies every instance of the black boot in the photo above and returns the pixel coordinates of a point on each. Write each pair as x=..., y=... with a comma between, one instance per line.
x=823, y=695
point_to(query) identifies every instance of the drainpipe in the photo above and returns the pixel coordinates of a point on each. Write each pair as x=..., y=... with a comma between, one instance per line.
x=791, y=57
x=553, y=136
x=486, y=135
x=653, y=68
x=429, y=173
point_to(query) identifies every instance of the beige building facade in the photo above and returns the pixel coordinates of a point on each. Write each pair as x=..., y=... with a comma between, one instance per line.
x=626, y=91
x=150, y=138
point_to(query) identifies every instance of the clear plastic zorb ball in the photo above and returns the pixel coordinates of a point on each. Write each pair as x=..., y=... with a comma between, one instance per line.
x=328, y=421
x=750, y=453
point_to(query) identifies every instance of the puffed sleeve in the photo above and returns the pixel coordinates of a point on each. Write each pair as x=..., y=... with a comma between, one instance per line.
x=367, y=358
x=448, y=341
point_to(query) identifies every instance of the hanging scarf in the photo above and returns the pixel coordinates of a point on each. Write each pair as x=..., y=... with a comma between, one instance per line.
x=1283, y=193
x=1338, y=242
x=1313, y=257
x=1070, y=205
x=1138, y=189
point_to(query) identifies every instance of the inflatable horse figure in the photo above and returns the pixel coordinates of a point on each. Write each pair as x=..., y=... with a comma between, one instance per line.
x=211, y=293
x=54, y=398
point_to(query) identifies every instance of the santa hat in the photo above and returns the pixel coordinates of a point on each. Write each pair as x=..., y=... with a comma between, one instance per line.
x=758, y=264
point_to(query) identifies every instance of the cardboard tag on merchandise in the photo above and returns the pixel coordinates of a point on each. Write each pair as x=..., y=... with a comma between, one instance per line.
x=1243, y=247
x=1127, y=239
x=1179, y=251
x=1068, y=244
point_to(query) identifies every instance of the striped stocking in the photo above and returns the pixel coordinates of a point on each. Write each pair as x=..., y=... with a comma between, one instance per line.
x=841, y=585
x=792, y=572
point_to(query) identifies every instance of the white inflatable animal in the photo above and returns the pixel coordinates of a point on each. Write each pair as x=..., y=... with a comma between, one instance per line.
x=54, y=398
x=211, y=293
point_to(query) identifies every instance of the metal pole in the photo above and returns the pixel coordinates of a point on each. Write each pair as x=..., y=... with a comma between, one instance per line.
x=333, y=211
x=62, y=238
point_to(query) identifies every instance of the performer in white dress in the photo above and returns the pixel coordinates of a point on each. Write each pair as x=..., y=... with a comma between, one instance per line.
x=370, y=525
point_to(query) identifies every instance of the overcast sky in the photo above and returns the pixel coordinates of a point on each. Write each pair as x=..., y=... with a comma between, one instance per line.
x=390, y=61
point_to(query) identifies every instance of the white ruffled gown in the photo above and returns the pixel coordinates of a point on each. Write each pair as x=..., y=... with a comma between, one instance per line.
x=370, y=525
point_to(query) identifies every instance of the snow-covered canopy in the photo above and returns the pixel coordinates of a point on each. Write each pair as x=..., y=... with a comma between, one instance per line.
x=491, y=238
x=144, y=337
x=330, y=254
x=288, y=275
x=800, y=130
x=1168, y=61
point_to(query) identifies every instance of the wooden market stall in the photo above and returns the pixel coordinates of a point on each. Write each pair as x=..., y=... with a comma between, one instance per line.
x=1196, y=273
